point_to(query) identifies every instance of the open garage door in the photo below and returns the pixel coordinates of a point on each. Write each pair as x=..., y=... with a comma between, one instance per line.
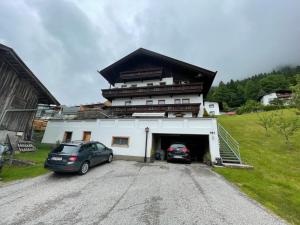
x=197, y=144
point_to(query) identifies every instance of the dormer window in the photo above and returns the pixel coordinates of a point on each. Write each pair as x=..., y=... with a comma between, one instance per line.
x=133, y=85
x=123, y=86
x=149, y=84
x=211, y=105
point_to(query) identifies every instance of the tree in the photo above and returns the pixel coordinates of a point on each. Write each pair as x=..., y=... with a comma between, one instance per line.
x=266, y=120
x=286, y=127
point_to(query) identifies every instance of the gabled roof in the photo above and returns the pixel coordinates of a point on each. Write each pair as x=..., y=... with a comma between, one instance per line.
x=111, y=73
x=11, y=57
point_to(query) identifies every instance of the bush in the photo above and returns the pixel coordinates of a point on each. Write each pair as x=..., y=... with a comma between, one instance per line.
x=250, y=106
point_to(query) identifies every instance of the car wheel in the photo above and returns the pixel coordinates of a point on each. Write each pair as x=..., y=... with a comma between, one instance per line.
x=110, y=158
x=84, y=168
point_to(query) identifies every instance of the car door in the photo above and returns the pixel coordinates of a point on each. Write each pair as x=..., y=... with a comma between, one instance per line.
x=102, y=152
x=94, y=156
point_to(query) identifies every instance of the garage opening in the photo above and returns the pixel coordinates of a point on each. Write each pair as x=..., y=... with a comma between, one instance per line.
x=197, y=144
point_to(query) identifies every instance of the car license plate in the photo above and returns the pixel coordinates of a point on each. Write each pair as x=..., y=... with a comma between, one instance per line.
x=56, y=158
x=177, y=157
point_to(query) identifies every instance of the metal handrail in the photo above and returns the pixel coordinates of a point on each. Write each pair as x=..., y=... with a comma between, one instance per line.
x=229, y=141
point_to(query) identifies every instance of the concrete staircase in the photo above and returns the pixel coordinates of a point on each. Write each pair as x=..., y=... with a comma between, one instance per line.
x=229, y=147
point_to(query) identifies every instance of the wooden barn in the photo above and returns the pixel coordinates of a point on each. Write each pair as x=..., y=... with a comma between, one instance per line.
x=20, y=94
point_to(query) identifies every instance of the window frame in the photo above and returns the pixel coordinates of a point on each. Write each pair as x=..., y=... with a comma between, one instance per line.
x=85, y=133
x=161, y=100
x=177, y=99
x=149, y=84
x=120, y=145
x=185, y=99
x=149, y=100
x=127, y=101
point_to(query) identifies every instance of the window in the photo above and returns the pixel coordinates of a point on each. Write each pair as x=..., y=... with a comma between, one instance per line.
x=128, y=102
x=186, y=101
x=123, y=86
x=100, y=146
x=184, y=82
x=150, y=84
x=212, y=112
x=120, y=141
x=133, y=85
x=67, y=136
x=149, y=102
x=86, y=136
x=211, y=106
x=161, y=102
x=162, y=83
x=177, y=101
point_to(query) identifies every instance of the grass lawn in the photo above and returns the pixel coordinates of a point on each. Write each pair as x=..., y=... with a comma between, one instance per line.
x=10, y=173
x=275, y=179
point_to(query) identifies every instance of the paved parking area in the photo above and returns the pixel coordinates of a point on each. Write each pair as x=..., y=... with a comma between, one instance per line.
x=130, y=193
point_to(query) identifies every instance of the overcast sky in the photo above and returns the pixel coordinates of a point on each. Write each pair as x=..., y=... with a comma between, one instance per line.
x=66, y=42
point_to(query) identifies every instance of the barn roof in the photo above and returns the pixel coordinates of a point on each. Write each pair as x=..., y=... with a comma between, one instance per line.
x=11, y=57
x=112, y=72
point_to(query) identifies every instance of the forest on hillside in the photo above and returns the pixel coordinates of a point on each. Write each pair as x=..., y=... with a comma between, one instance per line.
x=233, y=94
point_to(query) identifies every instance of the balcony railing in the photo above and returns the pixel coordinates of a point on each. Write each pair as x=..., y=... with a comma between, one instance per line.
x=192, y=107
x=152, y=90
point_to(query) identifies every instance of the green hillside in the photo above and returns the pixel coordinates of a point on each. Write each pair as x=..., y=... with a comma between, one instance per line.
x=275, y=179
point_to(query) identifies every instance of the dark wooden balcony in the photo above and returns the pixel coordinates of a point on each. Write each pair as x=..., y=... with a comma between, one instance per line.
x=176, y=108
x=193, y=88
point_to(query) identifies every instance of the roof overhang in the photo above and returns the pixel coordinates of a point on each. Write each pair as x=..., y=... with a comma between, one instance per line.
x=9, y=55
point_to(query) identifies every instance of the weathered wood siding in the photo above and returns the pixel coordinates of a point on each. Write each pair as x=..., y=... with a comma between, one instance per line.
x=16, y=93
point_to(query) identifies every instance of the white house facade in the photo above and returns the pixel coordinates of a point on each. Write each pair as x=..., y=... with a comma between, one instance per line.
x=133, y=135
x=284, y=95
x=212, y=108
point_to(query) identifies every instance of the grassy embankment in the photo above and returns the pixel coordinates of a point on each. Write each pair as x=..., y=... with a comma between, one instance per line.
x=10, y=173
x=275, y=179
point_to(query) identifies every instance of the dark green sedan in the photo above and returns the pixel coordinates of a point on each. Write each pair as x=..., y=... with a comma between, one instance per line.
x=78, y=157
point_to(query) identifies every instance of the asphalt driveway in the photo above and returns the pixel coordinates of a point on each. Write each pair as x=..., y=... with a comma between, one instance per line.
x=130, y=193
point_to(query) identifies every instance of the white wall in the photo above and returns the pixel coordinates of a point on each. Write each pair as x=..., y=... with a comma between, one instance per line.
x=168, y=99
x=168, y=80
x=266, y=99
x=104, y=129
x=212, y=110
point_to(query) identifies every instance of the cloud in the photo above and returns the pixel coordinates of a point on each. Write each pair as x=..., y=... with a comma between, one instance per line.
x=65, y=42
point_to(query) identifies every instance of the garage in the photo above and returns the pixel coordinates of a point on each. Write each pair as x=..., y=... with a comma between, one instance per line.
x=197, y=144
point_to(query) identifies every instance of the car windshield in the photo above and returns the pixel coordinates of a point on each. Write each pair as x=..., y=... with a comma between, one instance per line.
x=177, y=145
x=66, y=149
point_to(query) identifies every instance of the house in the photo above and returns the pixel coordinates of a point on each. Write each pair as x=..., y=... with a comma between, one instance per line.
x=155, y=101
x=212, y=108
x=284, y=95
x=20, y=94
x=146, y=82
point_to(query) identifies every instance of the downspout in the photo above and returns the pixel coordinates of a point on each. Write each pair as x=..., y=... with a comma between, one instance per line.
x=146, y=144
